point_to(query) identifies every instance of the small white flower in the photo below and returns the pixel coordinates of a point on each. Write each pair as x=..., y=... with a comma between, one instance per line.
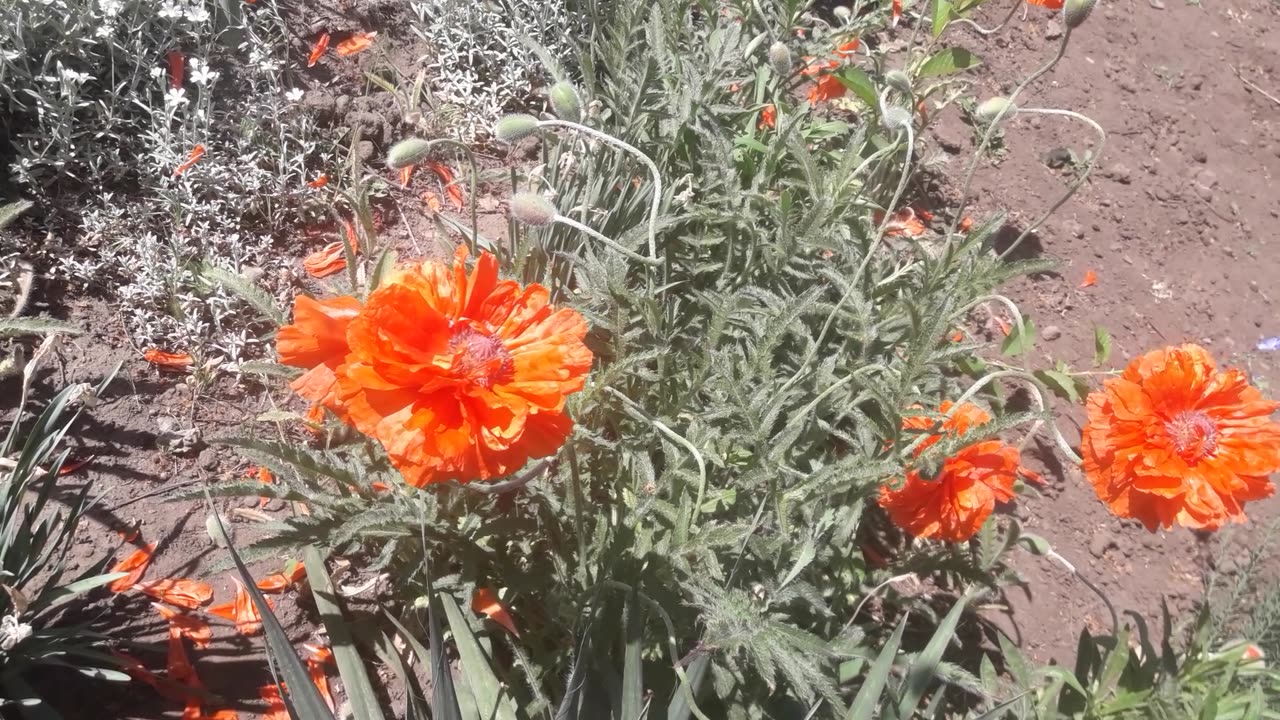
x=175, y=97
x=201, y=74
x=72, y=76
x=12, y=632
x=294, y=95
x=104, y=30
x=111, y=8
x=198, y=14
x=172, y=11
x=157, y=72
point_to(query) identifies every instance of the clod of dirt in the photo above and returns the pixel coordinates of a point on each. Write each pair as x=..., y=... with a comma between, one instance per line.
x=1052, y=31
x=1059, y=157
x=1051, y=332
x=175, y=440
x=1102, y=541
x=1119, y=173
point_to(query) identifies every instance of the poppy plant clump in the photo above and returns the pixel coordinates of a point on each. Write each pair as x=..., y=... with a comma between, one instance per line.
x=1175, y=440
x=459, y=376
x=954, y=505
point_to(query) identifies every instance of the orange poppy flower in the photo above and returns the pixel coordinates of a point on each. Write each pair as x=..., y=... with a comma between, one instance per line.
x=177, y=64
x=1175, y=440
x=317, y=50
x=241, y=611
x=326, y=261
x=136, y=564
x=1048, y=4
x=849, y=49
x=276, y=709
x=451, y=188
x=357, y=42
x=458, y=377
x=485, y=602
x=768, y=117
x=827, y=87
x=197, y=152
x=319, y=182
x=1090, y=279
x=189, y=626
x=955, y=504
x=189, y=594
x=173, y=362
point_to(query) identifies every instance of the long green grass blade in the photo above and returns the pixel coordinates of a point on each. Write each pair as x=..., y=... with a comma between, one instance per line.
x=921, y=674
x=632, y=705
x=867, y=701
x=492, y=701
x=360, y=693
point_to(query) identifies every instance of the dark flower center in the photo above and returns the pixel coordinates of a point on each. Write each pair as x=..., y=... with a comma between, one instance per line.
x=1193, y=434
x=481, y=358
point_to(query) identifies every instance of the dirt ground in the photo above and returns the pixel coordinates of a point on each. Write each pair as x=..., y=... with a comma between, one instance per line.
x=1176, y=224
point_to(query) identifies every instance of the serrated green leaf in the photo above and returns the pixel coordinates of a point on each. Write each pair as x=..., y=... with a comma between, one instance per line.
x=245, y=290
x=859, y=83
x=1101, y=345
x=1060, y=384
x=949, y=61
x=1021, y=338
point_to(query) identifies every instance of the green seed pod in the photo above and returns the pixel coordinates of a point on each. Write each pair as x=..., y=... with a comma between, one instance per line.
x=514, y=128
x=408, y=152
x=895, y=119
x=533, y=209
x=753, y=46
x=780, y=59
x=565, y=101
x=1075, y=12
x=898, y=80
x=988, y=111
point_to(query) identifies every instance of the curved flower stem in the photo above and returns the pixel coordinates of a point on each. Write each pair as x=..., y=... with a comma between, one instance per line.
x=871, y=594
x=1013, y=309
x=1080, y=179
x=640, y=413
x=1066, y=564
x=512, y=484
x=984, y=31
x=995, y=122
x=475, y=186
x=672, y=649
x=564, y=220
x=1037, y=394
x=648, y=163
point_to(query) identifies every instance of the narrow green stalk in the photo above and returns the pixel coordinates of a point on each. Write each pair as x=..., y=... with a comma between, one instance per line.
x=570, y=222
x=1037, y=394
x=475, y=186
x=984, y=31
x=640, y=413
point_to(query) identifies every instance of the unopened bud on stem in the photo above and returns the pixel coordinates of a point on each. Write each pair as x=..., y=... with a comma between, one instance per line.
x=988, y=111
x=898, y=80
x=533, y=209
x=1075, y=12
x=565, y=101
x=514, y=128
x=780, y=59
x=408, y=152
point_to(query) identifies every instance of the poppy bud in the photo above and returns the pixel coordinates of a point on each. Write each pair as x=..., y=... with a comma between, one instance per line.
x=514, y=128
x=780, y=59
x=533, y=209
x=895, y=118
x=898, y=80
x=565, y=101
x=753, y=46
x=988, y=111
x=842, y=13
x=408, y=152
x=1075, y=12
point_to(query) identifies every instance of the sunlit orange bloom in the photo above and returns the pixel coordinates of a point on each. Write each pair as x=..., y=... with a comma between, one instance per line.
x=317, y=657
x=196, y=153
x=183, y=593
x=1175, y=440
x=827, y=87
x=1090, y=279
x=326, y=261
x=174, y=362
x=356, y=43
x=897, y=12
x=241, y=611
x=905, y=223
x=768, y=117
x=317, y=50
x=458, y=376
x=966, y=224
x=849, y=49
x=955, y=504
x=177, y=63
x=1048, y=4
x=135, y=564
x=485, y=602
x=276, y=709
x=451, y=188
x=319, y=182
x=189, y=626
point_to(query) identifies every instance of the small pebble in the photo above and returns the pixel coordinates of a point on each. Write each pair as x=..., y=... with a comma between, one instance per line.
x=1199, y=156
x=1051, y=332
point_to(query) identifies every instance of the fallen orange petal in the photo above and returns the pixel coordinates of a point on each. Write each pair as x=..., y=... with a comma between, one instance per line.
x=273, y=583
x=135, y=669
x=897, y=12
x=849, y=49
x=178, y=667
x=264, y=476
x=317, y=653
x=177, y=63
x=241, y=611
x=74, y=465
x=173, y=362
x=136, y=564
x=1031, y=475
x=128, y=534
x=317, y=50
x=485, y=602
x=356, y=43
x=315, y=670
x=319, y=182
x=406, y=173
x=966, y=224
x=451, y=189
x=1005, y=327
x=276, y=709
x=196, y=153
x=189, y=626
x=190, y=594
x=768, y=117
x=297, y=573
x=905, y=223
x=379, y=486
x=1090, y=279
x=432, y=201
x=330, y=259
x=956, y=336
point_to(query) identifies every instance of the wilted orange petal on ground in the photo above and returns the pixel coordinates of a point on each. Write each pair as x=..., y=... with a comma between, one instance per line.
x=905, y=223
x=135, y=564
x=196, y=153
x=356, y=43
x=966, y=224
x=330, y=259
x=317, y=50
x=241, y=611
x=190, y=626
x=1090, y=279
x=276, y=710
x=70, y=467
x=815, y=67
x=319, y=182
x=174, y=362
x=178, y=667
x=849, y=49
x=135, y=669
x=1005, y=327
x=177, y=63
x=956, y=336
x=128, y=534
x=317, y=657
x=296, y=573
x=768, y=117
x=191, y=594
x=406, y=174
x=273, y=583
x=485, y=602
x=451, y=189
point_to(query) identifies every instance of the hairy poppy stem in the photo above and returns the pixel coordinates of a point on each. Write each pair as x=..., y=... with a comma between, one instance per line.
x=563, y=220
x=1013, y=308
x=984, y=31
x=640, y=413
x=1080, y=179
x=1066, y=564
x=1037, y=394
